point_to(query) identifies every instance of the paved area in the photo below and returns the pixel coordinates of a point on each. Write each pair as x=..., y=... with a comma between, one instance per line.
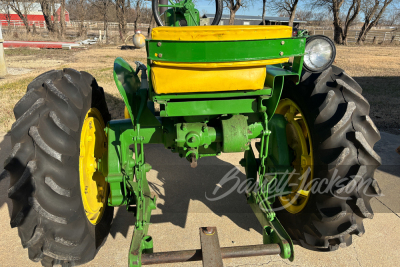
x=183, y=208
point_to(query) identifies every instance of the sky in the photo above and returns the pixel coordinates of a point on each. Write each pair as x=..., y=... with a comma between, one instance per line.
x=254, y=9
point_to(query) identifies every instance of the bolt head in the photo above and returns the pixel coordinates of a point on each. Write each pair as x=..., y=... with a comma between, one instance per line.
x=159, y=44
x=281, y=53
x=283, y=42
x=160, y=55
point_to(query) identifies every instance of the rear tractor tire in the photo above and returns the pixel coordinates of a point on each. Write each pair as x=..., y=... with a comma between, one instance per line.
x=339, y=137
x=46, y=171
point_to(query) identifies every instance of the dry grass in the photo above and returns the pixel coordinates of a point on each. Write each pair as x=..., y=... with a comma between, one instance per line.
x=96, y=61
x=376, y=68
x=10, y=94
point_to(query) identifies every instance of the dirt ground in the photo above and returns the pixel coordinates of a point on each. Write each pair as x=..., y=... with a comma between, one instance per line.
x=376, y=68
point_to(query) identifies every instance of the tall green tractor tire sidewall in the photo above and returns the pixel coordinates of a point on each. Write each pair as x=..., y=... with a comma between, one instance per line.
x=342, y=136
x=44, y=169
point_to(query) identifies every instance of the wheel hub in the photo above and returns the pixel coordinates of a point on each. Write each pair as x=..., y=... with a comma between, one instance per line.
x=93, y=145
x=299, y=140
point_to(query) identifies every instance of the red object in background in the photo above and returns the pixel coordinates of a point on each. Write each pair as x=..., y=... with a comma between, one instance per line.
x=39, y=44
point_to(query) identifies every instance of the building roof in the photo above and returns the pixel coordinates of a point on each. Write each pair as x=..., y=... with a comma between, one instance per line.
x=259, y=18
x=32, y=8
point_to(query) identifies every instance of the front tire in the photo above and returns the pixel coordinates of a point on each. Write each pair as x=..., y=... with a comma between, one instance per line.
x=343, y=136
x=44, y=169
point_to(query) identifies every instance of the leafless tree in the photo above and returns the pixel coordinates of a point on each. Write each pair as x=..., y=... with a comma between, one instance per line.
x=22, y=8
x=373, y=11
x=81, y=12
x=393, y=17
x=285, y=6
x=149, y=18
x=263, y=12
x=304, y=15
x=233, y=6
x=121, y=7
x=321, y=18
x=5, y=9
x=103, y=7
x=341, y=19
x=62, y=18
x=50, y=15
x=138, y=11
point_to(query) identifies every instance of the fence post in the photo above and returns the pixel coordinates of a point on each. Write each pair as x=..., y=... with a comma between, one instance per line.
x=384, y=37
x=3, y=68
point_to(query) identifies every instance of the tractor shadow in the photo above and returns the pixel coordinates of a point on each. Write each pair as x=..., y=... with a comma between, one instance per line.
x=182, y=190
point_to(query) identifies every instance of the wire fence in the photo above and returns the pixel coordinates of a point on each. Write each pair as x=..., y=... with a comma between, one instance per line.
x=373, y=36
x=70, y=24
x=19, y=23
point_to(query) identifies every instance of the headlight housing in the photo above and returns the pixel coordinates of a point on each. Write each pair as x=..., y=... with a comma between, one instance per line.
x=320, y=53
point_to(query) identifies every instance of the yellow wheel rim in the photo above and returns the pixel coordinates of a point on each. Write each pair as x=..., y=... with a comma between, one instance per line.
x=299, y=140
x=126, y=113
x=93, y=146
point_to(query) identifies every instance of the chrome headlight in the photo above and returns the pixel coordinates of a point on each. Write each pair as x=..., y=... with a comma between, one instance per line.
x=320, y=53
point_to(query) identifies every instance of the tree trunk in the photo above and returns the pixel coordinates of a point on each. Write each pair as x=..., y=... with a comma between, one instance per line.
x=26, y=23
x=105, y=19
x=62, y=19
x=293, y=13
x=23, y=18
x=232, y=17
x=263, y=13
x=34, y=31
x=137, y=14
x=55, y=18
x=233, y=8
x=8, y=17
x=338, y=34
x=369, y=23
x=47, y=15
x=337, y=31
x=362, y=35
x=121, y=10
x=82, y=29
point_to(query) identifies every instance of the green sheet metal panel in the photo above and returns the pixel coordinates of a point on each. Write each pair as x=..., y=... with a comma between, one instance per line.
x=224, y=51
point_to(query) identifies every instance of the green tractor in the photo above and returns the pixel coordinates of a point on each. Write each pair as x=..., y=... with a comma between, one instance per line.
x=300, y=122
